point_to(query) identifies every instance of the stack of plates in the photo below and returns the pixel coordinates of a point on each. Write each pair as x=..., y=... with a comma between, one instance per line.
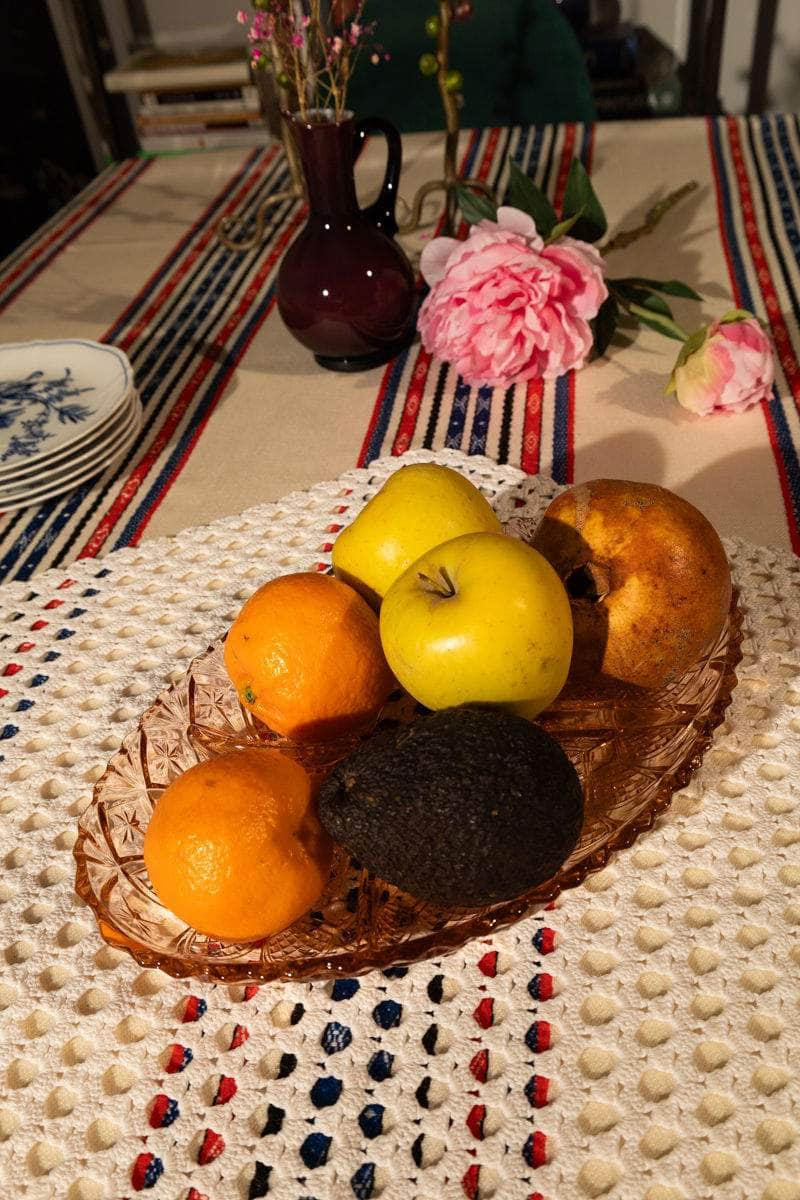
x=68, y=409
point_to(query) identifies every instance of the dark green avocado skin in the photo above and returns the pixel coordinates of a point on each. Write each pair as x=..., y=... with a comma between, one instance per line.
x=466, y=806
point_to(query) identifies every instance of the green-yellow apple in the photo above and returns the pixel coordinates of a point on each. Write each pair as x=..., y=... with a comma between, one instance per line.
x=482, y=619
x=647, y=576
x=419, y=507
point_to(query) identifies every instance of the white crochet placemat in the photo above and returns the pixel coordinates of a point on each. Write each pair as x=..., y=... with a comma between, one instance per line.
x=641, y=1040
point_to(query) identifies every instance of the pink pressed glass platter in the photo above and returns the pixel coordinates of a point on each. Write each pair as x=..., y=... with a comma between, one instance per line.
x=632, y=749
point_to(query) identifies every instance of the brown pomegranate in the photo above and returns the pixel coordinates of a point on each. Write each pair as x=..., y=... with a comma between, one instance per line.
x=647, y=576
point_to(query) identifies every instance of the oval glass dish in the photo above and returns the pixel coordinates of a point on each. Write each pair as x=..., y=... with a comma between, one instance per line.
x=632, y=750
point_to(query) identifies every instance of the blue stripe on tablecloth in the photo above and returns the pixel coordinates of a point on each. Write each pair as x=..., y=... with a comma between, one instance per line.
x=458, y=415
x=375, y=446
x=63, y=511
x=783, y=435
x=794, y=175
x=200, y=226
x=785, y=204
x=480, y=420
x=560, y=465
x=199, y=302
x=561, y=447
x=209, y=397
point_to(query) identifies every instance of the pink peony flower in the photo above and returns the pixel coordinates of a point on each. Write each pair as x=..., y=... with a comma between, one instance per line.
x=504, y=307
x=726, y=367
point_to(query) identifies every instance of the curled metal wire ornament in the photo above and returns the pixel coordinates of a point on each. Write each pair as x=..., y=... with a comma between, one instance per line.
x=226, y=230
x=227, y=227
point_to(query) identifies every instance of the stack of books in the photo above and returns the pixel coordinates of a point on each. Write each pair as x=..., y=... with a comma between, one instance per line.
x=198, y=100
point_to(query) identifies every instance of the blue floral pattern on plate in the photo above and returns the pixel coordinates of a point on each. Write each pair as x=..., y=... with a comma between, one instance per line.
x=43, y=398
x=54, y=395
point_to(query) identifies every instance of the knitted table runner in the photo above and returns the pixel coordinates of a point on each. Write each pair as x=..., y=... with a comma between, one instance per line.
x=642, y=1039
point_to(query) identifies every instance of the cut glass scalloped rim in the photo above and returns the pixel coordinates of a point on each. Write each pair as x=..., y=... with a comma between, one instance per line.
x=632, y=749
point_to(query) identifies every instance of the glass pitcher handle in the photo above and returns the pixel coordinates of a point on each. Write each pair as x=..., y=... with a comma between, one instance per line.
x=382, y=212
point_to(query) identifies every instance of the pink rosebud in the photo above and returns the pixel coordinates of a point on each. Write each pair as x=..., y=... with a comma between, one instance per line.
x=726, y=367
x=504, y=307
x=242, y=17
x=297, y=39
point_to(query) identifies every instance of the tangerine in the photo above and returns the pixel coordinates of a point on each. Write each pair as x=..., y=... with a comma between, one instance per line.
x=305, y=657
x=234, y=846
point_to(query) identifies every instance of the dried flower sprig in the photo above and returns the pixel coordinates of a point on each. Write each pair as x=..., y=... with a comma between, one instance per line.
x=311, y=47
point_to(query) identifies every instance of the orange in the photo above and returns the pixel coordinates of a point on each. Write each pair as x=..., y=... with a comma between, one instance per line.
x=305, y=657
x=234, y=846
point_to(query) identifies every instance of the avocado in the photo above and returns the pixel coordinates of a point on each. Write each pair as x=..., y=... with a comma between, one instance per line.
x=466, y=806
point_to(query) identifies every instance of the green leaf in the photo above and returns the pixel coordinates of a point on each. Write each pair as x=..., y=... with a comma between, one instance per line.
x=580, y=194
x=663, y=325
x=636, y=295
x=475, y=206
x=670, y=287
x=525, y=195
x=693, y=342
x=563, y=227
x=736, y=314
x=604, y=326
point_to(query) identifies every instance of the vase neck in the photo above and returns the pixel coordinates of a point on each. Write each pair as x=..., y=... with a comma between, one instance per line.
x=326, y=153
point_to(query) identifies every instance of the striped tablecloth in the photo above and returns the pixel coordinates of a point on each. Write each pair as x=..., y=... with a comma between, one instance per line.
x=237, y=413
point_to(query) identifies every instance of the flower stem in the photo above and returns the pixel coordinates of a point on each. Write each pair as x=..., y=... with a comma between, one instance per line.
x=652, y=218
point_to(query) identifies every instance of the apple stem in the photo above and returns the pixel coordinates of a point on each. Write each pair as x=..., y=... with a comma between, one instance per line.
x=443, y=586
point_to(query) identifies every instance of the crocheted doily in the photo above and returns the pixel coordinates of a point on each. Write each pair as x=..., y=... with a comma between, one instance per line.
x=642, y=1040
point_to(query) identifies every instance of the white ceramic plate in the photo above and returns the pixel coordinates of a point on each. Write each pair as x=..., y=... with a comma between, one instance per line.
x=36, y=474
x=88, y=471
x=72, y=471
x=54, y=394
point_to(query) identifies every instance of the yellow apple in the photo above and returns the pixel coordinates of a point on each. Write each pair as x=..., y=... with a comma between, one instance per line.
x=482, y=619
x=419, y=507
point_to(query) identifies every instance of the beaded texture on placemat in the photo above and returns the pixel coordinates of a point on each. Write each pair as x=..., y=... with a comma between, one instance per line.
x=639, y=1041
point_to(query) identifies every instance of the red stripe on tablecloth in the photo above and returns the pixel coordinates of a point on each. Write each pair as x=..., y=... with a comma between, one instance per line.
x=166, y=291
x=416, y=390
x=387, y=374
x=186, y=239
x=751, y=232
x=208, y=359
x=780, y=332
x=419, y=376
x=563, y=168
x=532, y=427
x=488, y=155
x=134, y=168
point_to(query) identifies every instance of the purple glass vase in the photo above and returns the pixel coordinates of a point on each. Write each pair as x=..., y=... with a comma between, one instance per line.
x=345, y=288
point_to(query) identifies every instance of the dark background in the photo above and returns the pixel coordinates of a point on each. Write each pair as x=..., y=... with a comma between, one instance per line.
x=44, y=156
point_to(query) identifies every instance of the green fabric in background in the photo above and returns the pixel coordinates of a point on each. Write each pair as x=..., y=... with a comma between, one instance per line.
x=520, y=59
